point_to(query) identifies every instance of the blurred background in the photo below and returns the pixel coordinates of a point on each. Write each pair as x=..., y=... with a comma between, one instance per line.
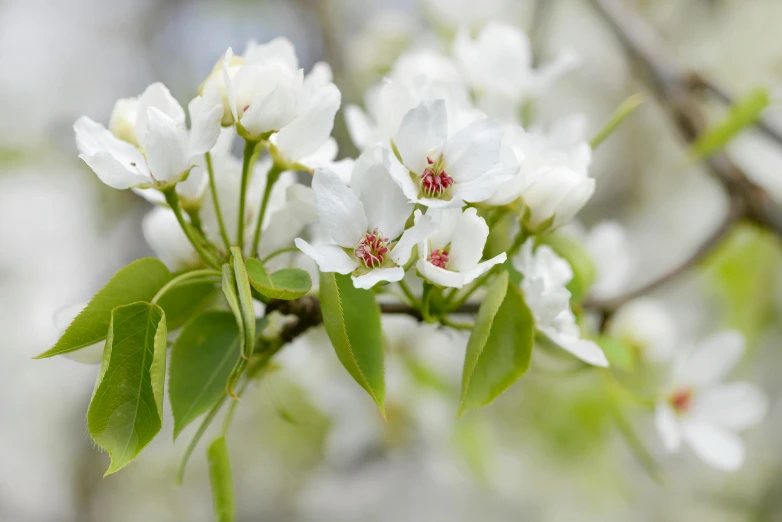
x=308, y=444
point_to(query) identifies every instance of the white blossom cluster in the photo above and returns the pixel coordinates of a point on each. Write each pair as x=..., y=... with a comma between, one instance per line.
x=442, y=144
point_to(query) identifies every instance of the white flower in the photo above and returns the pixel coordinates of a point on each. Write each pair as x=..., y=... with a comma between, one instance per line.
x=416, y=77
x=440, y=169
x=451, y=256
x=705, y=413
x=264, y=92
x=497, y=65
x=545, y=276
x=162, y=150
x=366, y=224
x=166, y=238
x=645, y=325
x=609, y=246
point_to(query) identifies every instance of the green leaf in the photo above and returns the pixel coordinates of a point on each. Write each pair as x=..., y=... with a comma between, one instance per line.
x=287, y=284
x=185, y=300
x=619, y=354
x=500, y=346
x=584, y=271
x=625, y=109
x=352, y=321
x=245, y=294
x=201, y=362
x=222, y=481
x=742, y=114
x=127, y=405
x=138, y=281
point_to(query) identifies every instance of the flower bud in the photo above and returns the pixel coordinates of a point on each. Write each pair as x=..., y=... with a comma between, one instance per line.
x=123, y=120
x=554, y=198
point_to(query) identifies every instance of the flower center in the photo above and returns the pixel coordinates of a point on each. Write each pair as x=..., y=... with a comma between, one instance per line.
x=681, y=400
x=439, y=258
x=434, y=180
x=371, y=249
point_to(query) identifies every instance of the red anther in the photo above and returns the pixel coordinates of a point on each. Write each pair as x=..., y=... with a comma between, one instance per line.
x=438, y=258
x=371, y=249
x=681, y=400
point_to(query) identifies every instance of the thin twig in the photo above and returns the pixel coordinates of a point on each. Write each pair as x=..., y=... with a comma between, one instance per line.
x=734, y=214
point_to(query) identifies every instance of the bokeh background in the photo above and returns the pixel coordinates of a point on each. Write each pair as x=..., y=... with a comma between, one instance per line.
x=308, y=445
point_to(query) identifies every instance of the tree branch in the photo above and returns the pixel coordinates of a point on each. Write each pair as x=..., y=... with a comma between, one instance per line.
x=677, y=93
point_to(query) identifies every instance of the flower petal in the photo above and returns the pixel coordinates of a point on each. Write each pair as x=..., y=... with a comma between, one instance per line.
x=279, y=51
x=308, y=131
x=230, y=88
x=712, y=360
x=473, y=150
x=668, y=426
x=166, y=238
x=378, y=275
x=362, y=131
x=339, y=209
x=401, y=175
x=330, y=258
x=716, y=446
x=440, y=276
x=422, y=134
x=274, y=110
x=446, y=220
x=468, y=241
x=205, y=117
x=158, y=96
x=386, y=206
x=735, y=406
x=423, y=228
x=166, y=143
x=586, y=350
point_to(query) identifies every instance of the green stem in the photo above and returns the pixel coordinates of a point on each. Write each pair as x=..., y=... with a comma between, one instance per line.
x=247, y=161
x=216, y=201
x=195, y=219
x=426, y=301
x=623, y=111
x=173, y=201
x=466, y=295
x=271, y=179
x=280, y=252
x=409, y=294
x=453, y=324
x=521, y=238
x=184, y=277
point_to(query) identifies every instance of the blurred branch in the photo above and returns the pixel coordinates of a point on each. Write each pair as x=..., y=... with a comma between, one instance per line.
x=677, y=91
x=734, y=215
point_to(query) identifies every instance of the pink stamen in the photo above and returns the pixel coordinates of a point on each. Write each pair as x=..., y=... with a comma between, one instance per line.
x=245, y=108
x=371, y=249
x=681, y=400
x=433, y=182
x=439, y=258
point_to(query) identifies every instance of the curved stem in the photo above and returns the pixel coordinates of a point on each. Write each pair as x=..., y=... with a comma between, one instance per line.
x=456, y=325
x=425, y=302
x=271, y=179
x=173, y=201
x=216, y=201
x=247, y=160
x=280, y=252
x=409, y=294
x=476, y=285
x=184, y=277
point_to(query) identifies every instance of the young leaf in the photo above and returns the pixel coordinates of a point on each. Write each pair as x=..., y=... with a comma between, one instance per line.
x=742, y=114
x=201, y=361
x=183, y=301
x=222, y=481
x=500, y=345
x=127, y=405
x=245, y=301
x=287, y=284
x=352, y=321
x=138, y=281
x=618, y=353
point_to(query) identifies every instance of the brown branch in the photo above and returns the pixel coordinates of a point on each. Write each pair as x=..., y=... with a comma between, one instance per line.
x=677, y=93
x=734, y=214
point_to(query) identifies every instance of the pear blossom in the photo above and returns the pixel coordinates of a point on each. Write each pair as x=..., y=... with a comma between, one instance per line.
x=264, y=92
x=647, y=326
x=451, y=256
x=366, y=224
x=441, y=169
x=697, y=408
x=545, y=277
x=497, y=65
x=553, y=180
x=152, y=147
